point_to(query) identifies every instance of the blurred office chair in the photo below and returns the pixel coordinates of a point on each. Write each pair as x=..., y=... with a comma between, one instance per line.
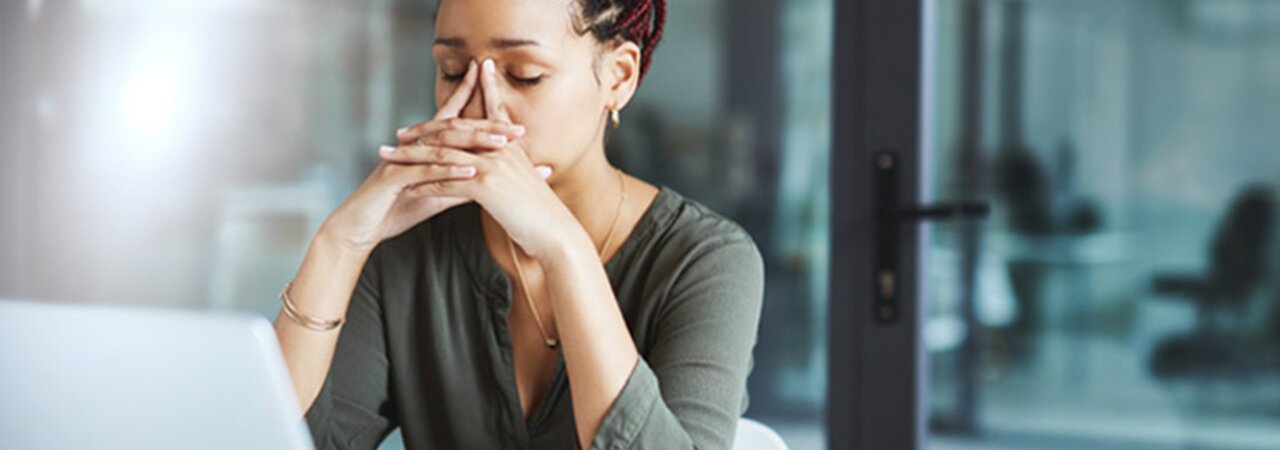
x=752, y=435
x=1237, y=262
x=1218, y=346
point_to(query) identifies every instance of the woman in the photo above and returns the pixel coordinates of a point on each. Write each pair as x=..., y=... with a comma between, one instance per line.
x=496, y=283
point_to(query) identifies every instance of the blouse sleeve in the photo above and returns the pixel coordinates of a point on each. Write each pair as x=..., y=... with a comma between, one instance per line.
x=354, y=409
x=690, y=389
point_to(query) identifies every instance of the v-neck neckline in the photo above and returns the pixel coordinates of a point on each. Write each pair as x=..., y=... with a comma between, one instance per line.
x=491, y=280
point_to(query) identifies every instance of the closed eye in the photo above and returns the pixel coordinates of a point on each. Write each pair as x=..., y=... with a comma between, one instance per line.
x=526, y=81
x=454, y=78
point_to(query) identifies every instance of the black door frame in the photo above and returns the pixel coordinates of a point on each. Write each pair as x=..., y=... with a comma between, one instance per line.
x=875, y=398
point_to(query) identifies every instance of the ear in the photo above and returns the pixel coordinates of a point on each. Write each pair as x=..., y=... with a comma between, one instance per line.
x=621, y=66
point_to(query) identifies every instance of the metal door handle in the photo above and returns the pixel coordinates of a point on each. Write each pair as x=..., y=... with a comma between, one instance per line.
x=890, y=217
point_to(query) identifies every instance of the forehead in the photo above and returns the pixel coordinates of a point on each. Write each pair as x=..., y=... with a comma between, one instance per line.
x=478, y=23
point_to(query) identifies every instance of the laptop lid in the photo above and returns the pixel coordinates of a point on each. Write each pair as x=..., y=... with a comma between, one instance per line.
x=78, y=377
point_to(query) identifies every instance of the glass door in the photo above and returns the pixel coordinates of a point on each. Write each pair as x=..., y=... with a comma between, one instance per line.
x=1123, y=293
x=1107, y=276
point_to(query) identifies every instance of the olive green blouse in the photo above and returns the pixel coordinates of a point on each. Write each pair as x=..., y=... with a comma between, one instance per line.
x=426, y=345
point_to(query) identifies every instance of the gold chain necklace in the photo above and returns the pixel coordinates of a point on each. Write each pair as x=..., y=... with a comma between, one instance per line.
x=551, y=342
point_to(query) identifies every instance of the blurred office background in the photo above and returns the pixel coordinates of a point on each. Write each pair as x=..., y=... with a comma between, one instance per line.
x=1122, y=295
x=182, y=153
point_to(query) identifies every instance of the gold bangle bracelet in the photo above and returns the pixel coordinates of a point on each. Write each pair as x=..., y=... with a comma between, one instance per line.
x=308, y=322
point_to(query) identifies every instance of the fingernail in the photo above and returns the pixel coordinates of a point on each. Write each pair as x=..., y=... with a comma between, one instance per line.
x=544, y=171
x=402, y=131
x=387, y=149
x=488, y=66
x=498, y=139
x=519, y=129
x=467, y=171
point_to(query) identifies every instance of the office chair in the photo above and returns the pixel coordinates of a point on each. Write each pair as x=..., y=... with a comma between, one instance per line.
x=1237, y=270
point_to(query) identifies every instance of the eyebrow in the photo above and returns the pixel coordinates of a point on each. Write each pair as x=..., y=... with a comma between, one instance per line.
x=496, y=42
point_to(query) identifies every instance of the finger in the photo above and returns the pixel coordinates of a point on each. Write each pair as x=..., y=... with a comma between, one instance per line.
x=493, y=107
x=453, y=106
x=545, y=171
x=429, y=154
x=424, y=129
x=404, y=177
x=467, y=139
x=447, y=188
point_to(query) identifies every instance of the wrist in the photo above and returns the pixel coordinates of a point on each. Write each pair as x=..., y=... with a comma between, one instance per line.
x=328, y=261
x=340, y=245
x=334, y=251
x=574, y=243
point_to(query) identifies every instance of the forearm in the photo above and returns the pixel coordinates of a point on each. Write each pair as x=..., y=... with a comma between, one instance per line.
x=599, y=353
x=322, y=289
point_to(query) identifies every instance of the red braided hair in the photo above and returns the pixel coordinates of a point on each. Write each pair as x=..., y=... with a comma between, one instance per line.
x=635, y=26
x=639, y=21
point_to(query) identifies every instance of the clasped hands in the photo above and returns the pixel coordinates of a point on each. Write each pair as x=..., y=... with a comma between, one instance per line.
x=450, y=160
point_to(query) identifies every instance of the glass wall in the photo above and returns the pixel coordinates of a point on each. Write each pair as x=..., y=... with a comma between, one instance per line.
x=181, y=154
x=1124, y=292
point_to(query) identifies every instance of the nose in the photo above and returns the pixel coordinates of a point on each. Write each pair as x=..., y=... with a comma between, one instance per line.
x=474, y=108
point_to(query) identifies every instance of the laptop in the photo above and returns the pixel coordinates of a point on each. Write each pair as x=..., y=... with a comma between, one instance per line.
x=94, y=377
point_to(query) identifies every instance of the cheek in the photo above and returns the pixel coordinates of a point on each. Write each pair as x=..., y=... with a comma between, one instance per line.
x=562, y=119
x=443, y=91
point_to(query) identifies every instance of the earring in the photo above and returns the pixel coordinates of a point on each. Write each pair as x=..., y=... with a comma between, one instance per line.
x=613, y=117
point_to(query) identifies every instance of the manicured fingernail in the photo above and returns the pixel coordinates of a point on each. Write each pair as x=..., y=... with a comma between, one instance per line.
x=544, y=171
x=467, y=171
x=498, y=139
x=519, y=129
x=386, y=149
x=402, y=131
x=488, y=66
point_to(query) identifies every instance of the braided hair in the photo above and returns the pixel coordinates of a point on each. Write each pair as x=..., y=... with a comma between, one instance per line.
x=638, y=21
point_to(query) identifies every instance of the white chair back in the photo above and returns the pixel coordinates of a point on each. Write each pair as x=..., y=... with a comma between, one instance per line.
x=752, y=435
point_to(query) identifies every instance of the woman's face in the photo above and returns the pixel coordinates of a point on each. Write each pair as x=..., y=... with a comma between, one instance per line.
x=545, y=71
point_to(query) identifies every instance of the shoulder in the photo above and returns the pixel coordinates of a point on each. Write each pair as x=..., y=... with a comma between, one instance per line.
x=699, y=264
x=702, y=243
x=695, y=225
